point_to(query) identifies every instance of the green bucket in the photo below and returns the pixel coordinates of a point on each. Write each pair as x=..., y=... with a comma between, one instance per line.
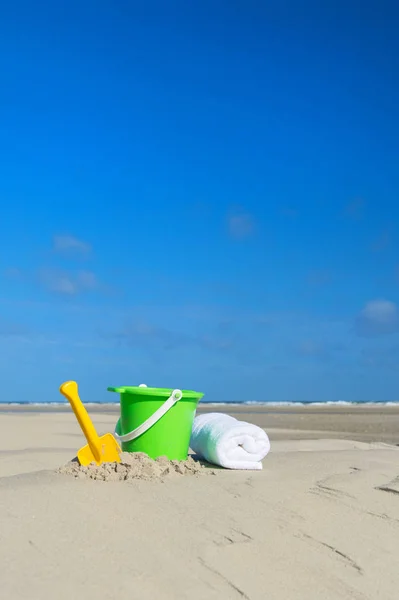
x=156, y=421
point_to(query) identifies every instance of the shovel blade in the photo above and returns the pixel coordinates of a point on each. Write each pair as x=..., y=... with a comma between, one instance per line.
x=109, y=450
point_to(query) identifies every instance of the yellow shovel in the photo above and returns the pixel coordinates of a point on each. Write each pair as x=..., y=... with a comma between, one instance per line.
x=99, y=450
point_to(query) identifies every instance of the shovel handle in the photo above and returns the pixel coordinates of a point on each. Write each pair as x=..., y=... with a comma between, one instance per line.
x=69, y=389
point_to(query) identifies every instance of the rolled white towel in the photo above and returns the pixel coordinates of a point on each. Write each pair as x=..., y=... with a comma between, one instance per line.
x=225, y=441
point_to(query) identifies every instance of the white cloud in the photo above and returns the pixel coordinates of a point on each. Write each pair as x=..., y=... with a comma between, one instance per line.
x=378, y=317
x=87, y=280
x=311, y=348
x=8, y=329
x=382, y=242
x=67, y=284
x=319, y=277
x=13, y=273
x=355, y=209
x=290, y=212
x=241, y=225
x=68, y=244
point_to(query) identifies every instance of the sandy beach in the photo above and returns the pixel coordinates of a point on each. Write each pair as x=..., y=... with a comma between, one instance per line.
x=320, y=521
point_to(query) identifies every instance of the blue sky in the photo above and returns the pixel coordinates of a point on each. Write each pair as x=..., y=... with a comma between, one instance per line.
x=200, y=195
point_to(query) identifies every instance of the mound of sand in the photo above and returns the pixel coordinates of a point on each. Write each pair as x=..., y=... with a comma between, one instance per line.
x=134, y=466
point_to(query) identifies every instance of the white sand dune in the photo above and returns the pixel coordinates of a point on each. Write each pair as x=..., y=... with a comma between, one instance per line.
x=321, y=521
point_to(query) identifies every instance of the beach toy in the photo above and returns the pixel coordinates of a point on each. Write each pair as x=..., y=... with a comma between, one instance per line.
x=156, y=421
x=99, y=450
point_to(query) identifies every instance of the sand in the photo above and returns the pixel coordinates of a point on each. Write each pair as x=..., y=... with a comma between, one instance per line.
x=320, y=521
x=135, y=466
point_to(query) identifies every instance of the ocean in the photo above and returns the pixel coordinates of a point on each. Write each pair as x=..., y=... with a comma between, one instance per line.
x=247, y=403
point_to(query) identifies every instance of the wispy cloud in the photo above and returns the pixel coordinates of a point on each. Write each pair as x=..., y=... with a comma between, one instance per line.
x=355, y=209
x=8, y=329
x=378, y=317
x=312, y=348
x=319, y=277
x=382, y=242
x=67, y=283
x=13, y=273
x=386, y=357
x=70, y=245
x=320, y=349
x=290, y=212
x=241, y=224
x=200, y=209
x=141, y=333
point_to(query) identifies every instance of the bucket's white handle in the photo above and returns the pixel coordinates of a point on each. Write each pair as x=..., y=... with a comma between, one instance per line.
x=158, y=414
